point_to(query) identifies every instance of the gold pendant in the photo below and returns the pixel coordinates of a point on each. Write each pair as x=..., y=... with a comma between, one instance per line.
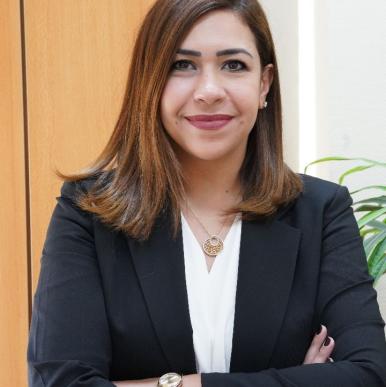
x=213, y=245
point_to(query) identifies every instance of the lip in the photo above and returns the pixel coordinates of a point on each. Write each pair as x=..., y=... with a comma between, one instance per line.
x=214, y=121
x=209, y=117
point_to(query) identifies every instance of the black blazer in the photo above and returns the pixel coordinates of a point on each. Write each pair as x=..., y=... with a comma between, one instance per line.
x=110, y=308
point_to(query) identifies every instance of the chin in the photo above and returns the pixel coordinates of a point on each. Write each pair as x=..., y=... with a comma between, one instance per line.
x=203, y=152
x=208, y=156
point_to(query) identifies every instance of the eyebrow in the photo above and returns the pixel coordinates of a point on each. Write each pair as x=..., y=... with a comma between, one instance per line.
x=228, y=51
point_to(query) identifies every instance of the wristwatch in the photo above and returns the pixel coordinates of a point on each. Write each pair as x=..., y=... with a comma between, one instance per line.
x=171, y=379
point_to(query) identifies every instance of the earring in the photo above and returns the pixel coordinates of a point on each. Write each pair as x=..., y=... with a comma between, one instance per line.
x=265, y=104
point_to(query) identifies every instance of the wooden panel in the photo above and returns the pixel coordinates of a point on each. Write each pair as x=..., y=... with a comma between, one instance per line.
x=78, y=55
x=14, y=320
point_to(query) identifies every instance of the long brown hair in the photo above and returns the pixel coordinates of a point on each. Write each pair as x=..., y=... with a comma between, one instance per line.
x=137, y=175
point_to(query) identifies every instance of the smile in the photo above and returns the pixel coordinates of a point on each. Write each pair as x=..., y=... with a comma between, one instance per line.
x=209, y=122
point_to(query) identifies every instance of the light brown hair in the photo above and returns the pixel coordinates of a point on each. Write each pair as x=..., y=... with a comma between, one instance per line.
x=138, y=175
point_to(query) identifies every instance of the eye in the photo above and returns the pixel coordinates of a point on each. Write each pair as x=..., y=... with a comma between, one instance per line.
x=180, y=65
x=233, y=65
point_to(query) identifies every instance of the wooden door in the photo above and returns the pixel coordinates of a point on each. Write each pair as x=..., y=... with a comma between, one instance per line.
x=63, y=67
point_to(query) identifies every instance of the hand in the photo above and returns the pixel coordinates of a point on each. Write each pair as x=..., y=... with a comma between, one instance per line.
x=318, y=352
x=192, y=380
x=150, y=382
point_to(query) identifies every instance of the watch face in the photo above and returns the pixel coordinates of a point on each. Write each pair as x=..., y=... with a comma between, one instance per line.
x=170, y=379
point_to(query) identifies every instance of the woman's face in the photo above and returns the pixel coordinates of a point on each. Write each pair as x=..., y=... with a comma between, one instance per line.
x=209, y=82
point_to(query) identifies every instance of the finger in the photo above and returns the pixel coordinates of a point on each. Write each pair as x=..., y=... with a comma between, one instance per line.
x=316, y=343
x=325, y=350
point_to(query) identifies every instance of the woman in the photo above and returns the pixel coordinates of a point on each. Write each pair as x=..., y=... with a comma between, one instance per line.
x=189, y=247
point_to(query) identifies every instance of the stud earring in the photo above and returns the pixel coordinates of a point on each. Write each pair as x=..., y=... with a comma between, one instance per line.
x=265, y=104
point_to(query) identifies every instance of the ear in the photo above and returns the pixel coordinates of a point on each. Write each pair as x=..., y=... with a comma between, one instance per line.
x=265, y=83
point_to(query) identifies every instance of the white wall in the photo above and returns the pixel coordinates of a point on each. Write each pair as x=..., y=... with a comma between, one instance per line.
x=351, y=76
x=350, y=89
x=283, y=18
x=351, y=93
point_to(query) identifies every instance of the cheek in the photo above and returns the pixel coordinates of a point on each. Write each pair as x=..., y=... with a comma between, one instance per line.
x=167, y=107
x=170, y=106
x=246, y=100
x=247, y=93
x=175, y=94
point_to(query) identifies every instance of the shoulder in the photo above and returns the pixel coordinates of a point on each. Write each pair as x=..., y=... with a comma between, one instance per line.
x=73, y=189
x=318, y=196
x=319, y=189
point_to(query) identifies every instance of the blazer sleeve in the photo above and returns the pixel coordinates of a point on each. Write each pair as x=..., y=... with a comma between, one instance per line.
x=69, y=339
x=346, y=304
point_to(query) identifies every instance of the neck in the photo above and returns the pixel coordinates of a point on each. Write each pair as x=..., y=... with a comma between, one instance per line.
x=212, y=186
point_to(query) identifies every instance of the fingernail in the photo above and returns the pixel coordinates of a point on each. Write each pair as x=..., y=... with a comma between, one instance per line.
x=319, y=330
x=327, y=341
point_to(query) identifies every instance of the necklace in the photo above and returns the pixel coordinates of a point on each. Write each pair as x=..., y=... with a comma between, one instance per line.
x=214, y=244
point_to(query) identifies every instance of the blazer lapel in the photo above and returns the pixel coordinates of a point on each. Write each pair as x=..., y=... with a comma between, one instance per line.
x=268, y=253
x=159, y=263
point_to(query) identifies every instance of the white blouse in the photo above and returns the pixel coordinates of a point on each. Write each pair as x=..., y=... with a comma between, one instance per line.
x=211, y=297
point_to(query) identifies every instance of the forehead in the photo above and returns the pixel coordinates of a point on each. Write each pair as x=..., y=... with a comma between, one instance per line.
x=219, y=29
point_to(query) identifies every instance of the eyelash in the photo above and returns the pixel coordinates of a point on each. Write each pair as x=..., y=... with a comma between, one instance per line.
x=244, y=67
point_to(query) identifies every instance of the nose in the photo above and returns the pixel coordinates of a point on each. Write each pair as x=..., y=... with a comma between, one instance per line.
x=209, y=89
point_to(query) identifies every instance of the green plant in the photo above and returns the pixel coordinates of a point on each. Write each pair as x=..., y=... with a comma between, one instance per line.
x=372, y=223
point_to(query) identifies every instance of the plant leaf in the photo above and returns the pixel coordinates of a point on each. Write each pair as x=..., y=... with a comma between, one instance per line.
x=380, y=271
x=367, y=208
x=378, y=199
x=353, y=170
x=377, y=224
x=376, y=255
x=339, y=158
x=382, y=187
x=364, y=231
x=372, y=242
x=370, y=216
x=331, y=158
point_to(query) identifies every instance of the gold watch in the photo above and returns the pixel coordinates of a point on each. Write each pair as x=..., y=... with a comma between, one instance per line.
x=171, y=379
